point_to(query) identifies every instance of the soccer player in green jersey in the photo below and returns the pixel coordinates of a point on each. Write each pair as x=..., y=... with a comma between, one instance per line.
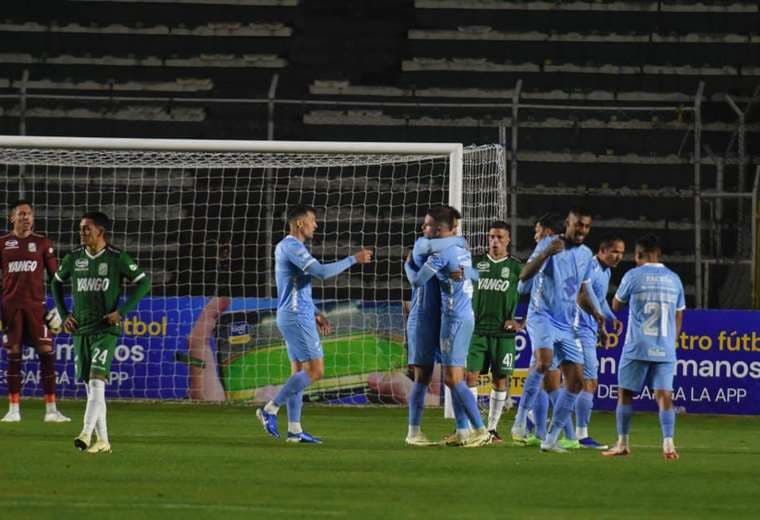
x=492, y=347
x=96, y=271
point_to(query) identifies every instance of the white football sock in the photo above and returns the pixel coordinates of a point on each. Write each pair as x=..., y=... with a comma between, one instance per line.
x=96, y=401
x=495, y=408
x=413, y=431
x=294, y=427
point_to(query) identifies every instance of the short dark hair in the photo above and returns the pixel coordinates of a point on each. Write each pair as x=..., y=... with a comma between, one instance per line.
x=99, y=218
x=649, y=243
x=299, y=211
x=444, y=215
x=551, y=221
x=579, y=211
x=20, y=202
x=500, y=224
x=607, y=241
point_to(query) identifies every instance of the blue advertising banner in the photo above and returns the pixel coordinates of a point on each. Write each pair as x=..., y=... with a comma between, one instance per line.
x=718, y=368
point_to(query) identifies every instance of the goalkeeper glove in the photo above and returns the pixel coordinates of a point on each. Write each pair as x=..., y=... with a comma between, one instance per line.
x=53, y=321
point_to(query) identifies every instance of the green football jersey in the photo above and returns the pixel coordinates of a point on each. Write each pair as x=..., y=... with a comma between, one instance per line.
x=495, y=297
x=96, y=285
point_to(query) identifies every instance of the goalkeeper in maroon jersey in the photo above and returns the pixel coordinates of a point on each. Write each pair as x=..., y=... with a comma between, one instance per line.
x=24, y=258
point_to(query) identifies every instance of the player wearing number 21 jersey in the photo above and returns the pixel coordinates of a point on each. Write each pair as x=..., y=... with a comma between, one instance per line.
x=655, y=298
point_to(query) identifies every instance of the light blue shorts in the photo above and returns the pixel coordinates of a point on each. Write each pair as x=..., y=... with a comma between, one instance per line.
x=633, y=374
x=590, y=360
x=566, y=346
x=301, y=338
x=422, y=339
x=455, y=341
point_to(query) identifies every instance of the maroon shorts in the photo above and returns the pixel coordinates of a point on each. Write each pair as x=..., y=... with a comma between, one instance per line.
x=25, y=325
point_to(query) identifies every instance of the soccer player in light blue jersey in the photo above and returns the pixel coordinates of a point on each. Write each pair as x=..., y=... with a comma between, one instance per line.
x=299, y=320
x=655, y=299
x=610, y=252
x=423, y=325
x=561, y=266
x=453, y=269
x=547, y=225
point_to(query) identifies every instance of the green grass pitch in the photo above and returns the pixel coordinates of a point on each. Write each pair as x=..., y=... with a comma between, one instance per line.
x=203, y=461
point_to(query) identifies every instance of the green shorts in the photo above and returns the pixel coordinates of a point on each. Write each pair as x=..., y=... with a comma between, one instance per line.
x=493, y=353
x=93, y=355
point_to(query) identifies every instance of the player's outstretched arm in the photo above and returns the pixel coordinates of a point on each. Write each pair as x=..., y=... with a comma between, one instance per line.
x=324, y=271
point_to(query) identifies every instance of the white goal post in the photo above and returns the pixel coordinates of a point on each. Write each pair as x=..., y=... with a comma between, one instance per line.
x=202, y=217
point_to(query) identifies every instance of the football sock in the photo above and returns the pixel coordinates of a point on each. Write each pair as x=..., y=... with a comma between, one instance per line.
x=417, y=403
x=563, y=409
x=495, y=407
x=583, y=406
x=623, y=416
x=470, y=405
x=295, y=404
x=668, y=423
x=295, y=383
x=541, y=413
x=96, y=403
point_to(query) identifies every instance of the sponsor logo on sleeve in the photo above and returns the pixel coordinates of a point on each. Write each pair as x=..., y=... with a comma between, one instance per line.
x=133, y=267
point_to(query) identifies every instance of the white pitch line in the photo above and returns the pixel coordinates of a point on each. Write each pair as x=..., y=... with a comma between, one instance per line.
x=169, y=506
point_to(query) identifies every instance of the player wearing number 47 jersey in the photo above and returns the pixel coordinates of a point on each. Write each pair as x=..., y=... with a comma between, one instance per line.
x=655, y=299
x=492, y=348
x=96, y=271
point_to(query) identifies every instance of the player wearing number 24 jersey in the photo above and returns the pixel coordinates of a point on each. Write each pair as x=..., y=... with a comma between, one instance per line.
x=96, y=271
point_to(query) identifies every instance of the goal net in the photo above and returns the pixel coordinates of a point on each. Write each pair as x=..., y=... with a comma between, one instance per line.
x=203, y=217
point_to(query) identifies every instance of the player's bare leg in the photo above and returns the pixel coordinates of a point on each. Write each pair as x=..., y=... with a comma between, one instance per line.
x=13, y=379
x=623, y=416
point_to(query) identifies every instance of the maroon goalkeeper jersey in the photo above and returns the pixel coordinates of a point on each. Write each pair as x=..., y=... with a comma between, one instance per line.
x=23, y=262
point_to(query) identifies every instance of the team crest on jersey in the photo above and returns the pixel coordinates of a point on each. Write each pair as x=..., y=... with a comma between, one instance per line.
x=103, y=269
x=483, y=266
x=11, y=244
x=505, y=272
x=32, y=247
x=81, y=264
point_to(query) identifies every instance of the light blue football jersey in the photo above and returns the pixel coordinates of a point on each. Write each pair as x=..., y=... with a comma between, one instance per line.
x=600, y=283
x=456, y=295
x=291, y=259
x=653, y=293
x=426, y=300
x=555, y=287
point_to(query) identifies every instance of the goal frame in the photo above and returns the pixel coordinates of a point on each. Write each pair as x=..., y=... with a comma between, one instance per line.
x=454, y=151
